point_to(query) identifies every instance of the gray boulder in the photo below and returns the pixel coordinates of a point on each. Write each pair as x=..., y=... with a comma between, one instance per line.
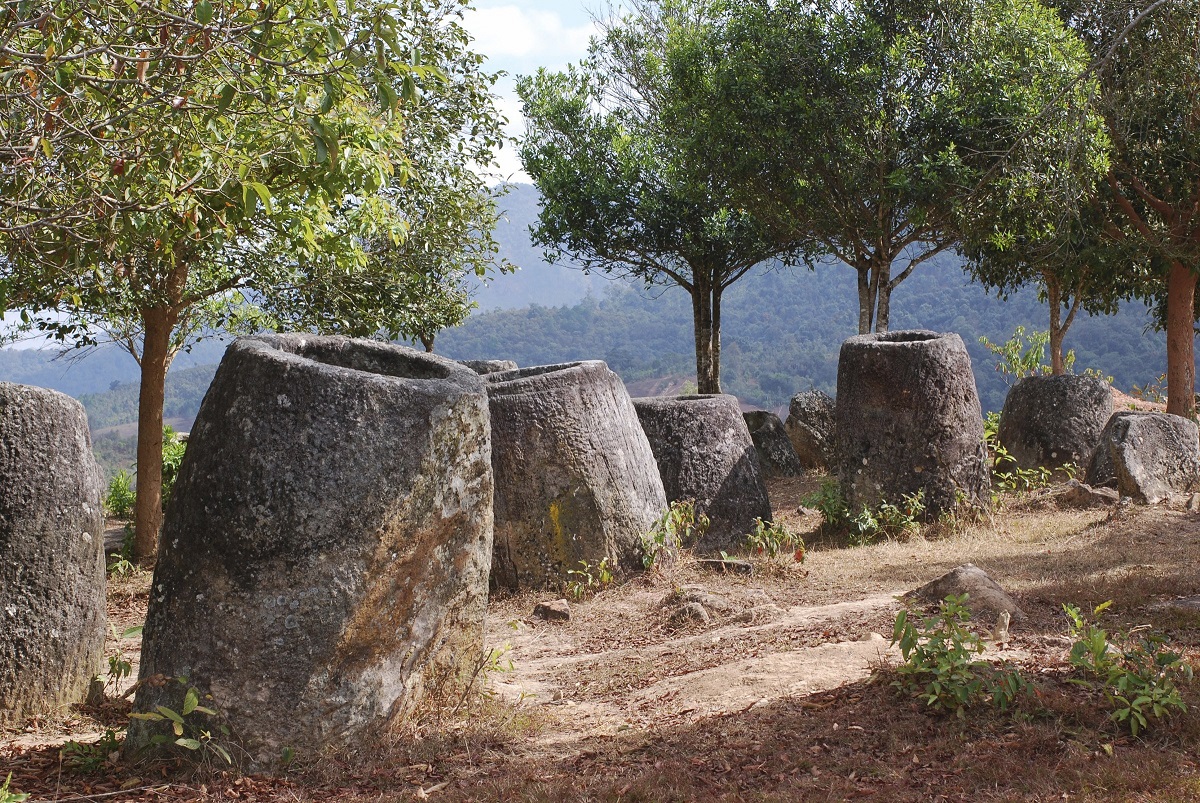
x=575, y=476
x=704, y=453
x=1054, y=420
x=985, y=598
x=52, y=615
x=489, y=366
x=908, y=421
x=809, y=426
x=324, y=559
x=776, y=456
x=1076, y=494
x=1146, y=456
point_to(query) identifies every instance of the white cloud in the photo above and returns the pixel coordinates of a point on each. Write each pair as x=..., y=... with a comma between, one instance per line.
x=528, y=36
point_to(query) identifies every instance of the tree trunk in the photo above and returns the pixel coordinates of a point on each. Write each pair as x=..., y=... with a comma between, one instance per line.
x=707, y=379
x=1181, y=337
x=1058, y=366
x=716, y=339
x=427, y=342
x=866, y=304
x=156, y=357
x=883, y=297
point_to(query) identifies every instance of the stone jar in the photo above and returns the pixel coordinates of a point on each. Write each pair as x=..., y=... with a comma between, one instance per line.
x=324, y=560
x=704, y=453
x=52, y=615
x=1054, y=420
x=908, y=420
x=809, y=427
x=575, y=477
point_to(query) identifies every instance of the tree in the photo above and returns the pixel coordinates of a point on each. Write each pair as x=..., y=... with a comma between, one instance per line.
x=620, y=194
x=875, y=127
x=170, y=167
x=1149, y=69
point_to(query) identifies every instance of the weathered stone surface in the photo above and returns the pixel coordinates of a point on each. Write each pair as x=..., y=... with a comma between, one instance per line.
x=575, y=476
x=1146, y=456
x=776, y=457
x=704, y=452
x=325, y=555
x=809, y=426
x=52, y=619
x=558, y=610
x=1054, y=420
x=1077, y=494
x=986, y=600
x=908, y=420
x=489, y=366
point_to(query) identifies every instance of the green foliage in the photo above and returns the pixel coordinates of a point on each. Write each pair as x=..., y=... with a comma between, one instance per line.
x=190, y=726
x=1007, y=476
x=588, y=578
x=120, y=497
x=940, y=665
x=1137, y=676
x=172, y=456
x=1023, y=355
x=771, y=539
x=888, y=520
x=679, y=525
x=92, y=758
x=1152, y=391
x=10, y=795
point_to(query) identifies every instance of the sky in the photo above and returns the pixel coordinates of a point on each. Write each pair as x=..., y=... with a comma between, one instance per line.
x=518, y=36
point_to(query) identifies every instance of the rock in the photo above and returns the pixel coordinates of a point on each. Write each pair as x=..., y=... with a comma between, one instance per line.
x=713, y=603
x=52, y=612
x=1193, y=503
x=1076, y=494
x=727, y=566
x=776, y=457
x=1147, y=456
x=986, y=600
x=558, y=611
x=489, y=366
x=908, y=421
x=809, y=426
x=1054, y=420
x=324, y=559
x=575, y=476
x=689, y=613
x=704, y=452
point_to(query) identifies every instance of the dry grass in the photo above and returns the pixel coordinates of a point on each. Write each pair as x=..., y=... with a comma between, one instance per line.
x=593, y=734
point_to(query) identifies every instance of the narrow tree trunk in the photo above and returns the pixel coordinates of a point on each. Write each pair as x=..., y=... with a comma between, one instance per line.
x=883, y=298
x=1181, y=337
x=1058, y=366
x=866, y=304
x=427, y=342
x=716, y=339
x=156, y=352
x=702, y=323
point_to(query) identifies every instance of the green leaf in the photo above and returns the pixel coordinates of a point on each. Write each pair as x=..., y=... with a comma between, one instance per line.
x=190, y=701
x=190, y=744
x=225, y=98
x=204, y=12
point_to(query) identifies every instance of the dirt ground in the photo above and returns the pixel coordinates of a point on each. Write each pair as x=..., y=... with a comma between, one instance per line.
x=785, y=694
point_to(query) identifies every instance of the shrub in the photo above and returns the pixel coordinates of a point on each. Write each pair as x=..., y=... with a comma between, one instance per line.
x=679, y=524
x=119, y=499
x=773, y=539
x=940, y=665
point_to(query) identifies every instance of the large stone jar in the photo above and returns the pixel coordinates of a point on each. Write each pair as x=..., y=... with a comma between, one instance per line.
x=52, y=619
x=908, y=421
x=575, y=477
x=704, y=453
x=324, y=559
x=1051, y=421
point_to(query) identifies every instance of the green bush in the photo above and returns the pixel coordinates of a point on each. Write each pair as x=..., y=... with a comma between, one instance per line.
x=119, y=499
x=678, y=525
x=1138, y=677
x=773, y=539
x=172, y=456
x=940, y=666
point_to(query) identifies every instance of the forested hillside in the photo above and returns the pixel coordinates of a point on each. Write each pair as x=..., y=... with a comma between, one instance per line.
x=782, y=331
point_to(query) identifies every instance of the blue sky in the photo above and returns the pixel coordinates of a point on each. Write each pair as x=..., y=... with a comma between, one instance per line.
x=518, y=36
